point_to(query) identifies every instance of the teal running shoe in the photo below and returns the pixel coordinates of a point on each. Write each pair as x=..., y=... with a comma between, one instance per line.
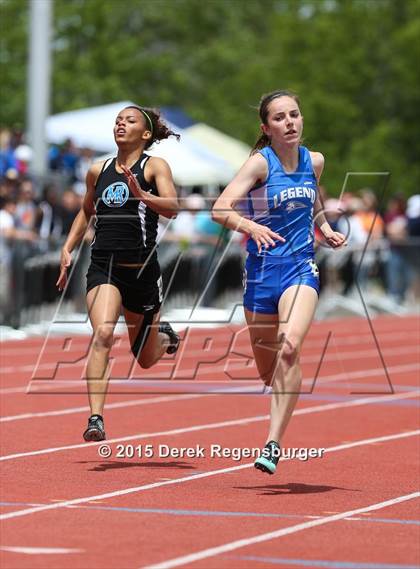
x=270, y=455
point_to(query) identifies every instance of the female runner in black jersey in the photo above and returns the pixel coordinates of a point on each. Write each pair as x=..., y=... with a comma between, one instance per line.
x=127, y=194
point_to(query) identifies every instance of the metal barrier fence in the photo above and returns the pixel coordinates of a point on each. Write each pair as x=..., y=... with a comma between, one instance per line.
x=206, y=276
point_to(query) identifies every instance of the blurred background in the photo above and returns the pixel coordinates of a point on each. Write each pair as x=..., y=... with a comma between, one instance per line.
x=69, y=66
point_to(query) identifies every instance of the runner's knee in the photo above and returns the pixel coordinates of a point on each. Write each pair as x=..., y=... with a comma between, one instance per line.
x=104, y=338
x=145, y=361
x=289, y=352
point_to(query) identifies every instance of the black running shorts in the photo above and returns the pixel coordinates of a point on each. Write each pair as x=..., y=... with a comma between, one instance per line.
x=140, y=287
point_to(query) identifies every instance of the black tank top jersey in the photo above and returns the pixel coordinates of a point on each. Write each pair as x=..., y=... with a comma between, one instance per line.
x=125, y=227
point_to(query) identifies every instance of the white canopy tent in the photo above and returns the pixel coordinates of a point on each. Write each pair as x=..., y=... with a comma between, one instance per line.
x=191, y=162
x=226, y=147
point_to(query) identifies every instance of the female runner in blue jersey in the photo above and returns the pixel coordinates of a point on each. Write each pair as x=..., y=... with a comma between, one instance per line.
x=126, y=194
x=278, y=183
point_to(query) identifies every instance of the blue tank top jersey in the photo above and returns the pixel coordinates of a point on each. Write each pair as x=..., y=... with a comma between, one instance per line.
x=285, y=203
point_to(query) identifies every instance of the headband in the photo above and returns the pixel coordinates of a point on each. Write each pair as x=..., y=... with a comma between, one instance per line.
x=148, y=118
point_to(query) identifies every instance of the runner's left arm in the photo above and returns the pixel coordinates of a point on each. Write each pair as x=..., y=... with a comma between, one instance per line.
x=333, y=238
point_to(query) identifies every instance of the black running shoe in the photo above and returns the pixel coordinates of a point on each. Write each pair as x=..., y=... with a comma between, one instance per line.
x=174, y=339
x=95, y=430
x=269, y=458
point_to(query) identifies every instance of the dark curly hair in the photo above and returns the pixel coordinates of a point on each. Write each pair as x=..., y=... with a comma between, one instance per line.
x=156, y=125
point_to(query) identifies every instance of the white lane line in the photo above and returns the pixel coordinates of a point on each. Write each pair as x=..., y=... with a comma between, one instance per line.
x=47, y=385
x=40, y=550
x=329, y=357
x=233, y=423
x=83, y=409
x=231, y=546
x=67, y=503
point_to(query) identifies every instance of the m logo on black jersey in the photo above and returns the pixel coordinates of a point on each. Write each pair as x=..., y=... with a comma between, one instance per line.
x=116, y=194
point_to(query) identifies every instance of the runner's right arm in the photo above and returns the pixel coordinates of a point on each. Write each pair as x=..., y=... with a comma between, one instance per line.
x=80, y=224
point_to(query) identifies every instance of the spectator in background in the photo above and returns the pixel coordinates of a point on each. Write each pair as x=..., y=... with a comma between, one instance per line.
x=10, y=235
x=369, y=217
x=83, y=164
x=69, y=159
x=8, y=160
x=395, y=208
x=7, y=188
x=7, y=225
x=397, y=265
x=54, y=158
x=369, y=226
x=413, y=230
x=25, y=220
x=349, y=224
x=70, y=206
x=23, y=155
x=49, y=219
x=413, y=216
x=26, y=208
x=64, y=159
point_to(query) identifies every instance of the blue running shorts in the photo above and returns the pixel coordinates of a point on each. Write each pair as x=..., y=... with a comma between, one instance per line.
x=266, y=280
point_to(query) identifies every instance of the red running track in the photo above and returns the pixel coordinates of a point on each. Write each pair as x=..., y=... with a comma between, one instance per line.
x=63, y=505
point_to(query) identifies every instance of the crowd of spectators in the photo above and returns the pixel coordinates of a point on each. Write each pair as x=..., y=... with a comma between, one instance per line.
x=382, y=247
x=36, y=216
